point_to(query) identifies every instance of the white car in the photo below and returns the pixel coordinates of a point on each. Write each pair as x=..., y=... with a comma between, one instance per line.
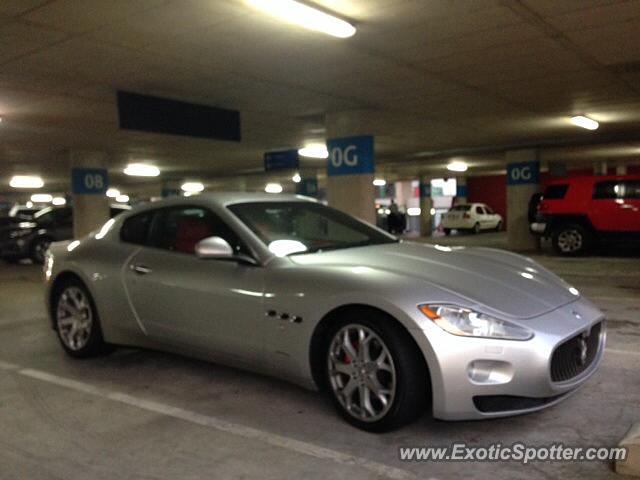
x=472, y=217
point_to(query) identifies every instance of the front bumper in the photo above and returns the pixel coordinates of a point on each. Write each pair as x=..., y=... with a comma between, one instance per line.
x=475, y=378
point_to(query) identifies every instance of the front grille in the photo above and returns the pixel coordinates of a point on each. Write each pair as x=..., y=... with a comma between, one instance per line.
x=574, y=356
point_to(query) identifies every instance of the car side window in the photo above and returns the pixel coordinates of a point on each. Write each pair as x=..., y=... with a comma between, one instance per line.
x=136, y=229
x=479, y=211
x=488, y=210
x=632, y=189
x=608, y=190
x=179, y=229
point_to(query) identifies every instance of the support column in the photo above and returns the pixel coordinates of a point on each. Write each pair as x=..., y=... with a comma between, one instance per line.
x=89, y=184
x=426, y=204
x=621, y=168
x=523, y=171
x=600, y=168
x=350, y=168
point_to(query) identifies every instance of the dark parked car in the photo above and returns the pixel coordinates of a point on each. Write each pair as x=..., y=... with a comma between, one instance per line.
x=31, y=238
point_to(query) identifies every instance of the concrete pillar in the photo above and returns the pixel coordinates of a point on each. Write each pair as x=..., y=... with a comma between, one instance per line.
x=426, y=204
x=600, y=168
x=90, y=210
x=351, y=193
x=461, y=191
x=621, y=169
x=522, y=182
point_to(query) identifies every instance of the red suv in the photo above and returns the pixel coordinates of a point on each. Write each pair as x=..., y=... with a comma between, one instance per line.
x=577, y=212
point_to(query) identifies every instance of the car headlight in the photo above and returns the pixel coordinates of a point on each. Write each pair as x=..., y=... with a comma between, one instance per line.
x=468, y=323
x=19, y=233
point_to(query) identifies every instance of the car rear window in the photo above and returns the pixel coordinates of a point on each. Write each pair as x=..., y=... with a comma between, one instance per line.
x=555, y=192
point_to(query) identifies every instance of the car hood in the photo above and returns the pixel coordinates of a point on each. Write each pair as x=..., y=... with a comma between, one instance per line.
x=504, y=282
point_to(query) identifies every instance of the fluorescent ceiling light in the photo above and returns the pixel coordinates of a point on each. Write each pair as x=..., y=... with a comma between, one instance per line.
x=584, y=122
x=379, y=182
x=58, y=201
x=314, y=150
x=122, y=198
x=142, y=170
x=273, y=188
x=26, y=181
x=192, y=187
x=29, y=204
x=41, y=198
x=306, y=16
x=457, y=167
x=113, y=192
x=296, y=178
x=414, y=211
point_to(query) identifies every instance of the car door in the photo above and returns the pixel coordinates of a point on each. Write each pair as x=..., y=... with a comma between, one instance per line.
x=492, y=218
x=214, y=306
x=480, y=216
x=615, y=206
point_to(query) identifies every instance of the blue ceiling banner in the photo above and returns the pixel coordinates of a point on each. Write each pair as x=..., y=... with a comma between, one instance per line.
x=281, y=160
x=89, y=181
x=523, y=173
x=307, y=187
x=350, y=156
x=425, y=189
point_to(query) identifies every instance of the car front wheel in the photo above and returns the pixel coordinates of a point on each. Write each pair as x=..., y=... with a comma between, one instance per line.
x=377, y=379
x=76, y=321
x=570, y=239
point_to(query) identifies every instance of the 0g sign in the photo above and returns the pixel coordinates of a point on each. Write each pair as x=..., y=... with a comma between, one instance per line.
x=350, y=156
x=89, y=181
x=523, y=173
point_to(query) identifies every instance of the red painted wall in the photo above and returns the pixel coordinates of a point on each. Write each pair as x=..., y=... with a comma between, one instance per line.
x=491, y=190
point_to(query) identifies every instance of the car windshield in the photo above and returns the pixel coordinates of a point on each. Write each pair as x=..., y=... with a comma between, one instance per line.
x=305, y=227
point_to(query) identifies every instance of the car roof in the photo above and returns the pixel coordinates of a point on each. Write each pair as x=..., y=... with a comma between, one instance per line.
x=222, y=199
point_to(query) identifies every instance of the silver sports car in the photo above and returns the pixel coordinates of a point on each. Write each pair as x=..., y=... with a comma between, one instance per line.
x=286, y=286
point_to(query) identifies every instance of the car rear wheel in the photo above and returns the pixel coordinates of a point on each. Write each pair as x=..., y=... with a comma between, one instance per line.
x=499, y=227
x=76, y=321
x=377, y=379
x=570, y=239
x=39, y=249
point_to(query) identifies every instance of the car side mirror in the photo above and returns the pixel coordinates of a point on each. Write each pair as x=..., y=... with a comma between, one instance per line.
x=214, y=247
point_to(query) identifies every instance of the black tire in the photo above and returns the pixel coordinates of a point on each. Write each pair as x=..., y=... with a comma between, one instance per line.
x=38, y=248
x=447, y=231
x=499, y=227
x=476, y=228
x=94, y=344
x=410, y=397
x=570, y=239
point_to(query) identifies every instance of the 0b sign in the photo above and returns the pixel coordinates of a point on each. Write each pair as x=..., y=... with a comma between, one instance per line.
x=89, y=181
x=523, y=173
x=350, y=156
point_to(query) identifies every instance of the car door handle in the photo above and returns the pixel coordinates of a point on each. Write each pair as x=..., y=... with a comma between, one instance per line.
x=140, y=269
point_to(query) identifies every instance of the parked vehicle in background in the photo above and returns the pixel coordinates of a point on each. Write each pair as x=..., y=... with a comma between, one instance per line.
x=31, y=238
x=472, y=217
x=23, y=211
x=577, y=213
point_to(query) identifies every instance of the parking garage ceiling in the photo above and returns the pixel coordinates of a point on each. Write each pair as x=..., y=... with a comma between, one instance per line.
x=426, y=77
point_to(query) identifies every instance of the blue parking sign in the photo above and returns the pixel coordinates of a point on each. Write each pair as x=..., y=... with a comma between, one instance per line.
x=350, y=156
x=89, y=181
x=523, y=173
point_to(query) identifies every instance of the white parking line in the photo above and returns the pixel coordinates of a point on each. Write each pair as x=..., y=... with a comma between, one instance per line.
x=622, y=352
x=291, y=444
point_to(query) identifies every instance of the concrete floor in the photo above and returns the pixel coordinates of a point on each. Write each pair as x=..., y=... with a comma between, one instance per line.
x=148, y=415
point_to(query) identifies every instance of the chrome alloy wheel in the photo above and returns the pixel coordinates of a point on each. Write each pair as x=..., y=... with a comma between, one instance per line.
x=361, y=372
x=569, y=241
x=74, y=318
